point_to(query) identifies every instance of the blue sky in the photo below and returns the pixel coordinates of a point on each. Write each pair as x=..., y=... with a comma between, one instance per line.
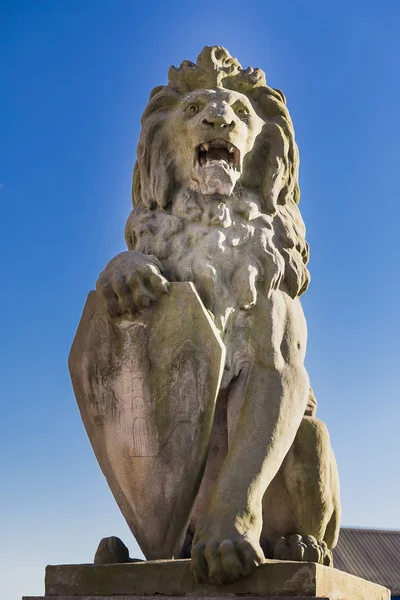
x=75, y=77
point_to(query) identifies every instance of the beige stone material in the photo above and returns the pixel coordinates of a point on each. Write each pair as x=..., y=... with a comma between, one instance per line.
x=173, y=578
x=215, y=194
x=146, y=388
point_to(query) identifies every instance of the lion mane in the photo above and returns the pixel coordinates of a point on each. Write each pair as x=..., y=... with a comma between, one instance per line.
x=164, y=212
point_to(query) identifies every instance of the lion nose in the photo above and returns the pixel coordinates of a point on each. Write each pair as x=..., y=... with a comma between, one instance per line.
x=220, y=118
x=219, y=121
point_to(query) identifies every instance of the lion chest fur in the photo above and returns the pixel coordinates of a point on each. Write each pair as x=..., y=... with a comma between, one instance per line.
x=225, y=247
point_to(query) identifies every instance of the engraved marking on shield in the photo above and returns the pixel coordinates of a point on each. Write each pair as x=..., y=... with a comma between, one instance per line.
x=133, y=407
x=152, y=431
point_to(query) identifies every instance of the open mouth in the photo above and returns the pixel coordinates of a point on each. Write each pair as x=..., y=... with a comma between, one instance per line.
x=218, y=151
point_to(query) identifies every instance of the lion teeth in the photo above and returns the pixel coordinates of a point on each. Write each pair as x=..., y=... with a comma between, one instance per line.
x=208, y=153
x=204, y=147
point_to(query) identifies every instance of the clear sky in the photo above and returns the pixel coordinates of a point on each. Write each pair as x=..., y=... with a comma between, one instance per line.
x=75, y=77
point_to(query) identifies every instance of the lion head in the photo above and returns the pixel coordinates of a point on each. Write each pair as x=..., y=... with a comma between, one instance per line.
x=221, y=133
x=214, y=130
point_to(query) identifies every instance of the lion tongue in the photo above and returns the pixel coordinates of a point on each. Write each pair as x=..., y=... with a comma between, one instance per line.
x=217, y=154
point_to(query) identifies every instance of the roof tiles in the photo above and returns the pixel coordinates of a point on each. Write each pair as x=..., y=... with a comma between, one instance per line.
x=371, y=554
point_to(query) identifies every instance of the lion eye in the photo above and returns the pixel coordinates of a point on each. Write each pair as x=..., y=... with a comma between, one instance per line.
x=241, y=111
x=192, y=109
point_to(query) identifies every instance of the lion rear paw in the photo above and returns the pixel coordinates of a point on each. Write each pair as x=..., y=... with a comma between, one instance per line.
x=302, y=548
x=112, y=550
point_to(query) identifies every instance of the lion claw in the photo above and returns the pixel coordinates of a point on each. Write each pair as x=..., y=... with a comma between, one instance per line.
x=226, y=561
x=302, y=548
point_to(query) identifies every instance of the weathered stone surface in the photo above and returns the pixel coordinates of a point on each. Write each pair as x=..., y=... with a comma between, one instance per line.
x=173, y=578
x=215, y=194
x=146, y=388
x=112, y=550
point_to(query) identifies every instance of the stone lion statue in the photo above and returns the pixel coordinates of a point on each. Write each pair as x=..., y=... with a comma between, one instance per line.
x=215, y=194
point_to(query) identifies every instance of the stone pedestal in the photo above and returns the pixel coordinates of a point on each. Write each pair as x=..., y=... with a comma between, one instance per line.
x=149, y=580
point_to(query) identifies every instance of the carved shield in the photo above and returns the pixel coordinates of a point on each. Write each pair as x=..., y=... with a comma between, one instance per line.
x=146, y=388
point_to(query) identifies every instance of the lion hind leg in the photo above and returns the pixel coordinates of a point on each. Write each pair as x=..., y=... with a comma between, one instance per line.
x=301, y=510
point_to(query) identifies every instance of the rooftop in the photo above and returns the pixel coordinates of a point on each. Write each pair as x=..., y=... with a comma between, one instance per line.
x=372, y=554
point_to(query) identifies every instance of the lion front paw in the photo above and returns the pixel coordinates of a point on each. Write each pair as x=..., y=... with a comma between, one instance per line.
x=225, y=560
x=302, y=548
x=131, y=282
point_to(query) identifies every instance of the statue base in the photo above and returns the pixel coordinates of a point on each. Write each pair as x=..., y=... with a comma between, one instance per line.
x=172, y=578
